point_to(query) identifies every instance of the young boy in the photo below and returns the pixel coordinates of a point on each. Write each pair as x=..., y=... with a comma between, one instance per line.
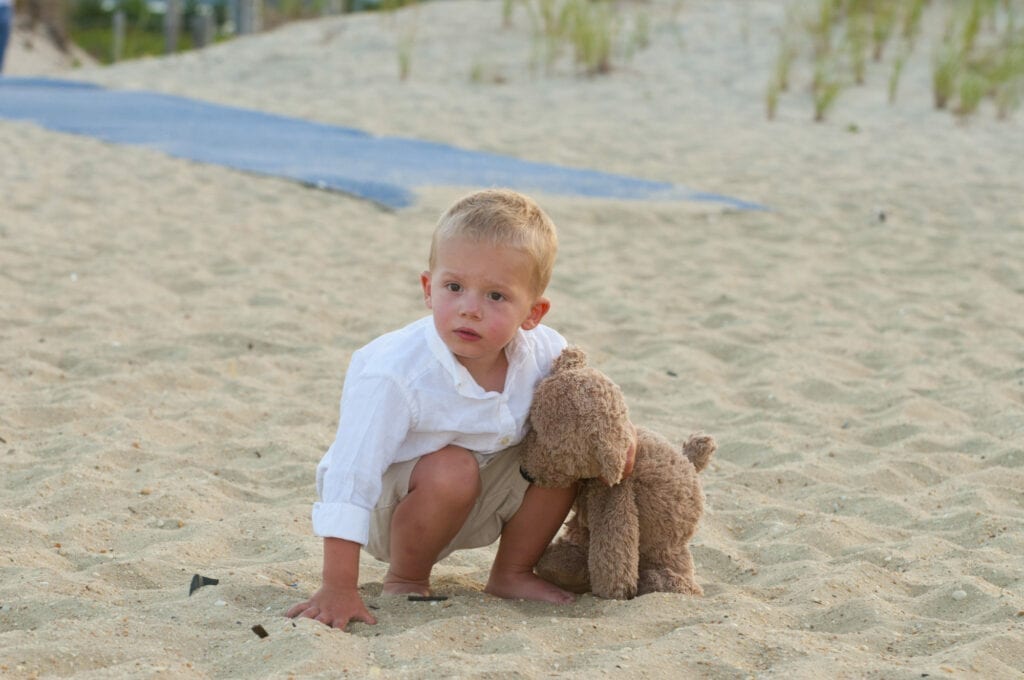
x=425, y=459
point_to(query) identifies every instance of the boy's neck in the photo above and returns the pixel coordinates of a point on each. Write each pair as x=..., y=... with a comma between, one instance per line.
x=489, y=375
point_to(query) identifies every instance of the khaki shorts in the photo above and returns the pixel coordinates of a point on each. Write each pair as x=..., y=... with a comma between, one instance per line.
x=501, y=493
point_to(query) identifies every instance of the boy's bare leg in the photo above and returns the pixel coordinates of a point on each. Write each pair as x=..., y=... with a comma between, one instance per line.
x=523, y=541
x=442, y=490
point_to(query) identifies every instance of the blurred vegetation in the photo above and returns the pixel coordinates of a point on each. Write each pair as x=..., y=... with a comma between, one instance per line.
x=50, y=15
x=91, y=27
x=90, y=23
x=597, y=33
x=978, y=56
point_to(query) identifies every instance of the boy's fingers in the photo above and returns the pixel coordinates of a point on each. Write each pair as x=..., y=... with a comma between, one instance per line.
x=309, y=610
x=330, y=621
x=297, y=609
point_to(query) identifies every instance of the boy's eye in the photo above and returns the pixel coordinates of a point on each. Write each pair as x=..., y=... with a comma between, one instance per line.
x=453, y=287
x=495, y=296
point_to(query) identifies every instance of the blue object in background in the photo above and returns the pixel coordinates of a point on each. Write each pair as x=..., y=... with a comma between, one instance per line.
x=385, y=170
x=6, y=25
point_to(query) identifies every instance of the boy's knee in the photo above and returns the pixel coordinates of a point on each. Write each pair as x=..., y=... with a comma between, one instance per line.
x=452, y=473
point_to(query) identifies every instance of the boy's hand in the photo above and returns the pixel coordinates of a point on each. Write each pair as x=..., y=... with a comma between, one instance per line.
x=335, y=608
x=337, y=602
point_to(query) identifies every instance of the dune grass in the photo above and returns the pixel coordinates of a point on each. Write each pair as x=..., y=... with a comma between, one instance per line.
x=978, y=57
x=586, y=28
x=780, y=80
x=592, y=27
x=596, y=33
x=825, y=87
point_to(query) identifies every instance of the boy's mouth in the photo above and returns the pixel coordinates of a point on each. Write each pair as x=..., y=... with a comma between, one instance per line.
x=466, y=334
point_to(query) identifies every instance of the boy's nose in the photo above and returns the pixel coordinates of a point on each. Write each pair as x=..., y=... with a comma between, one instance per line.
x=470, y=307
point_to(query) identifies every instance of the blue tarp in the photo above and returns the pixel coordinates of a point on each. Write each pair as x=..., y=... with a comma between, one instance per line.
x=385, y=170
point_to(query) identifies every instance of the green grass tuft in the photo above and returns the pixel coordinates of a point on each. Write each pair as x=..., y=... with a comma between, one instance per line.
x=979, y=57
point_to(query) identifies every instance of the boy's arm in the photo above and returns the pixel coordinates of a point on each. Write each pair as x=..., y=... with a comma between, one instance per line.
x=338, y=601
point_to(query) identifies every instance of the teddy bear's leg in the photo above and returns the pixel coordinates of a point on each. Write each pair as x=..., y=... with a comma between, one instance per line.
x=677, y=578
x=614, y=556
x=666, y=581
x=565, y=564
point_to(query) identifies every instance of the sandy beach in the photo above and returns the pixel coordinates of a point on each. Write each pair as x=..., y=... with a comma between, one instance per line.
x=175, y=337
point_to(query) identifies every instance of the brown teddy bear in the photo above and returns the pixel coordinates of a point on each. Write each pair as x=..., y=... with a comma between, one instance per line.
x=629, y=536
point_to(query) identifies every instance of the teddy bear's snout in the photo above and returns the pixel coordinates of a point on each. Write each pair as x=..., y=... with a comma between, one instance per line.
x=526, y=475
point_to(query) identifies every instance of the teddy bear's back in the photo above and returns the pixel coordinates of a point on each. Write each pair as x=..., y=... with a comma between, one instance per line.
x=669, y=496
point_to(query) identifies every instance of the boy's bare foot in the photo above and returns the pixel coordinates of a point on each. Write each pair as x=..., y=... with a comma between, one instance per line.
x=526, y=586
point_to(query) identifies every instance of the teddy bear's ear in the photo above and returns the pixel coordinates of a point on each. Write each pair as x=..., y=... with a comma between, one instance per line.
x=612, y=461
x=571, y=358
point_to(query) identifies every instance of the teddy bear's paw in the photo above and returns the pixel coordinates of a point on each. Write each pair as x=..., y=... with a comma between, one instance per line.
x=616, y=592
x=687, y=586
x=667, y=581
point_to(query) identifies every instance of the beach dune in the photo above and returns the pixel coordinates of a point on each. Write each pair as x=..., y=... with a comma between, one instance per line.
x=175, y=337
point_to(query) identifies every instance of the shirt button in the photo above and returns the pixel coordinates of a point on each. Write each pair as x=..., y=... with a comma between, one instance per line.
x=505, y=441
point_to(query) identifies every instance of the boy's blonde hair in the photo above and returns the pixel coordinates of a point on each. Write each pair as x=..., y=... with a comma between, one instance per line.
x=504, y=218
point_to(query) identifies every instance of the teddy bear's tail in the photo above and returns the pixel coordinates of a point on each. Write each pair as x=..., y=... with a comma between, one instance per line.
x=698, y=449
x=572, y=358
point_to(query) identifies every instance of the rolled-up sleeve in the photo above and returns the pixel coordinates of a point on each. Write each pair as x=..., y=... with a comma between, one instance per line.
x=376, y=415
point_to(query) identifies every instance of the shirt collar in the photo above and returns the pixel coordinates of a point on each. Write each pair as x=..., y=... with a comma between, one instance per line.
x=516, y=351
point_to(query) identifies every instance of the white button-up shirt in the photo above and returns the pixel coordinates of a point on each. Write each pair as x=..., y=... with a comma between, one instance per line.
x=406, y=395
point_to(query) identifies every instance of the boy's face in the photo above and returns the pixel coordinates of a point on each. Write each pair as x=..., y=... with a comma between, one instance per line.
x=480, y=295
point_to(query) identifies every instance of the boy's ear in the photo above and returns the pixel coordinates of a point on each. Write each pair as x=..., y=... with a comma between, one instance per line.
x=537, y=312
x=425, y=283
